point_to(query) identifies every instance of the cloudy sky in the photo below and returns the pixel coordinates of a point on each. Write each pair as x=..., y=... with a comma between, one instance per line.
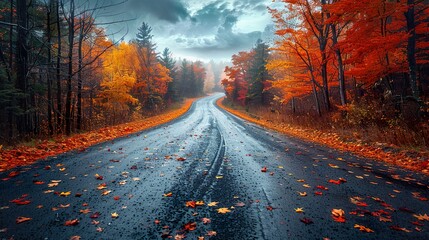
x=200, y=29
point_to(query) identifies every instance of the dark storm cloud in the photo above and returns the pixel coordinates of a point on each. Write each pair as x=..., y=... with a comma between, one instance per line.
x=210, y=17
x=169, y=10
x=200, y=28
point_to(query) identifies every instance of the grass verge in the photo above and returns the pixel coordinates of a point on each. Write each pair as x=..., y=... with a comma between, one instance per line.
x=405, y=158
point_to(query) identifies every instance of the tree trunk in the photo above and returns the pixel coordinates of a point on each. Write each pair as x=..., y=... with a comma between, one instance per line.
x=70, y=69
x=411, y=49
x=341, y=78
x=325, y=81
x=11, y=36
x=23, y=125
x=49, y=60
x=58, y=68
x=79, y=76
x=316, y=99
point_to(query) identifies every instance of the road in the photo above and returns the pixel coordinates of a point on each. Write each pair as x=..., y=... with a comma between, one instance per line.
x=146, y=180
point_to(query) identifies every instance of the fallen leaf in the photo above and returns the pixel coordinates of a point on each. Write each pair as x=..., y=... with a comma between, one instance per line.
x=264, y=169
x=191, y=204
x=99, y=229
x=335, y=181
x=75, y=238
x=116, y=198
x=22, y=219
x=65, y=194
x=299, y=210
x=199, y=203
x=180, y=159
x=211, y=233
x=421, y=217
x=338, y=215
x=170, y=194
x=213, y=204
x=64, y=205
x=398, y=228
x=333, y=165
x=178, y=237
x=240, y=204
x=106, y=192
x=73, y=222
x=85, y=211
x=302, y=194
x=363, y=228
x=384, y=219
x=190, y=226
x=114, y=215
x=223, y=210
x=306, y=220
x=206, y=220
x=98, y=177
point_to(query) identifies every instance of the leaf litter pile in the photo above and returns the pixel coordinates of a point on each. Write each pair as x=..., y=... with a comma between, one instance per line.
x=23, y=155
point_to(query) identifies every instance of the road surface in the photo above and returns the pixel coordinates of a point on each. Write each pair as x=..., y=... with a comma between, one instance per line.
x=138, y=187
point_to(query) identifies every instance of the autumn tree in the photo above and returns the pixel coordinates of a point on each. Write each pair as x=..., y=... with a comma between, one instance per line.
x=153, y=77
x=119, y=77
x=238, y=76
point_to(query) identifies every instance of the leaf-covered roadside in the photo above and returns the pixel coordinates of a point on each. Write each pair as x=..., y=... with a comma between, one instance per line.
x=23, y=155
x=409, y=159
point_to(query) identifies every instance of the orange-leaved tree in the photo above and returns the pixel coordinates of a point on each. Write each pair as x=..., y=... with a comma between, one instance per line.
x=237, y=78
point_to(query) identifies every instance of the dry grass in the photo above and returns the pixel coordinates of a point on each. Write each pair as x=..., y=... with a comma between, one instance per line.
x=398, y=146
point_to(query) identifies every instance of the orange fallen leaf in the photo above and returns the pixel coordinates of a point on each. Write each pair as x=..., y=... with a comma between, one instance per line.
x=170, y=194
x=363, y=228
x=191, y=204
x=22, y=219
x=190, y=226
x=73, y=222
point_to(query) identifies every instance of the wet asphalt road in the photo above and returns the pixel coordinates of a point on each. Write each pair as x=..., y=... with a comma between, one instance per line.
x=222, y=158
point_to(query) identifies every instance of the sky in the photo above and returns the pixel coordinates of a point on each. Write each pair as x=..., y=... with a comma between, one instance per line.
x=198, y=29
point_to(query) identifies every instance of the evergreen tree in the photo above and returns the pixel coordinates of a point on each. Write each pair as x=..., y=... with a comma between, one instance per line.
x=258, y=74
x=167, y=61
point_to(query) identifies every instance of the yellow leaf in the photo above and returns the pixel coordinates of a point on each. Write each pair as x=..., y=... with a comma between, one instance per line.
x=115, y=215
x=212, y=204
x=223, y=210
x=299, y=210
x=65, y=194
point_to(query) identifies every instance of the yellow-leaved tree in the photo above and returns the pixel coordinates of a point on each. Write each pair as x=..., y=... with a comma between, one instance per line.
x=119, y=77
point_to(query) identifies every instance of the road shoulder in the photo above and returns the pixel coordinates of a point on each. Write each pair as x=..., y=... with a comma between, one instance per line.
x=23, y=155
x=415, y=161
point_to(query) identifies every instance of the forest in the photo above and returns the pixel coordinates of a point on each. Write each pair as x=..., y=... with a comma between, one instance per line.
x=358, y=68
x=60, y=73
